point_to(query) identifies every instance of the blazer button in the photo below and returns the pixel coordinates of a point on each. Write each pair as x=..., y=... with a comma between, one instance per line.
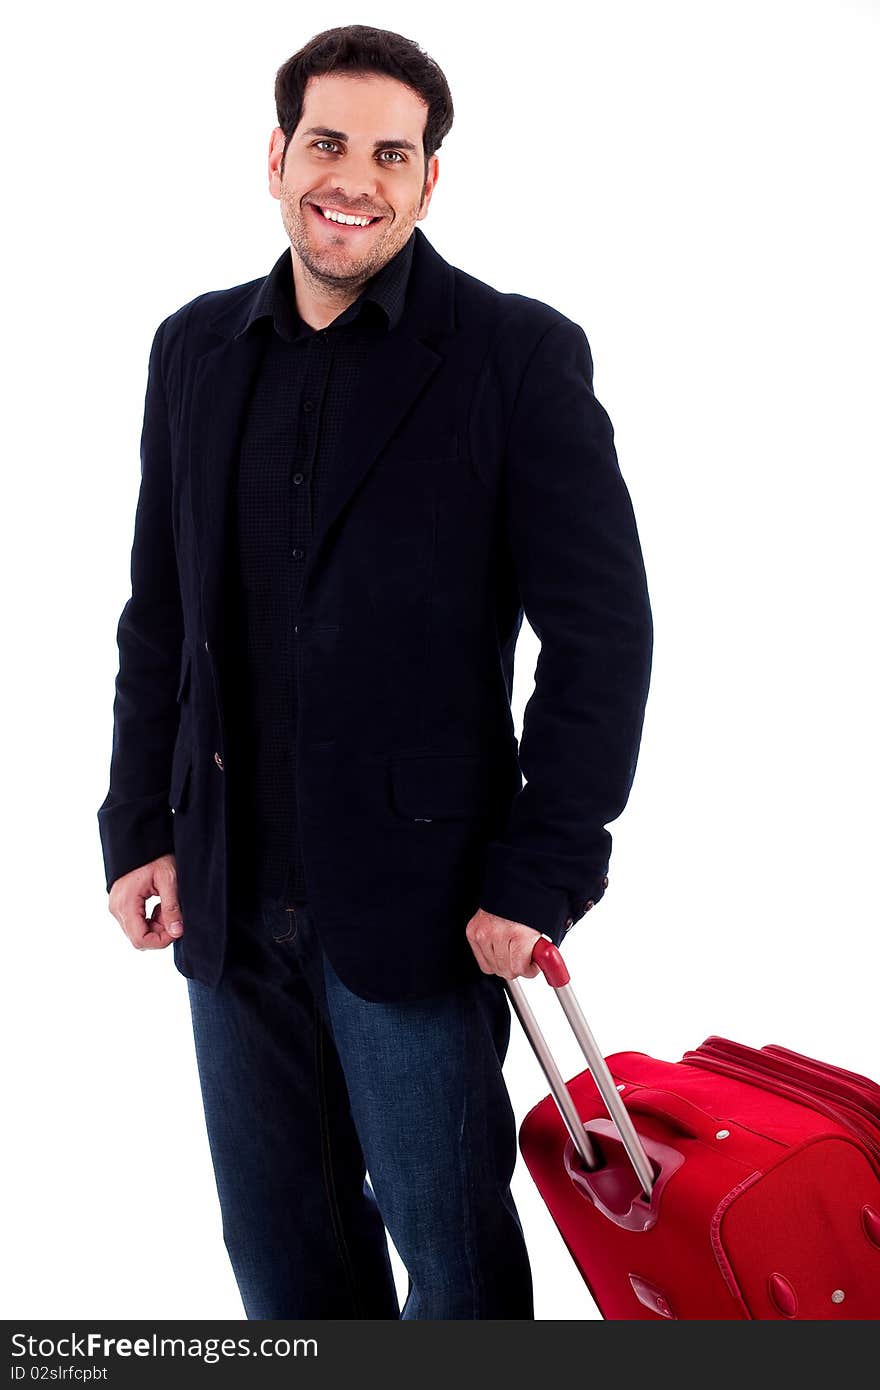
x=569, y=923
x=219, y=761
x=588, y=904
x=207, y=647
x=605, y=881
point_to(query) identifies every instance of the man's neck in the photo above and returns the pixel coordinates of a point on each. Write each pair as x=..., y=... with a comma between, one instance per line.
x=317, y=303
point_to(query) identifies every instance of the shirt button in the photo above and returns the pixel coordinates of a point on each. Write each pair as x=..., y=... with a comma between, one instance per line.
x=297, y=553
x=307, y=406
x=207, y=648
x=219, y=761
x=297, y=478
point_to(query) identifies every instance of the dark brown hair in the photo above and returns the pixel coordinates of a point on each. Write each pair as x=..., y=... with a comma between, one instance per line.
x=360, y=48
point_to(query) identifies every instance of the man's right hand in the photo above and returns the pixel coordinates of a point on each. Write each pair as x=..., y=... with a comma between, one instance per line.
x=128, y=899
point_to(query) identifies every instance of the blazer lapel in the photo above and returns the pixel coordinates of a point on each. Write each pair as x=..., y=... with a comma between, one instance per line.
x=221, y=389
x=399, y=366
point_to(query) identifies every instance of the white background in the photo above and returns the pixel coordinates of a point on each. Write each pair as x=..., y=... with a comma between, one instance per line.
x=695, y=184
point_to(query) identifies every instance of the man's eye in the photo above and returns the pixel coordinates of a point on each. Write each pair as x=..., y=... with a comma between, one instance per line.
x=385, y=161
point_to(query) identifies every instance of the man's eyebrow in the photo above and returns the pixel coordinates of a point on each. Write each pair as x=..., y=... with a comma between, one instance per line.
x=341, y=135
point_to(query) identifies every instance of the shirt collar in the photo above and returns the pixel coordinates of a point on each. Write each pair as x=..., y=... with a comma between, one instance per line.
x=382, y=298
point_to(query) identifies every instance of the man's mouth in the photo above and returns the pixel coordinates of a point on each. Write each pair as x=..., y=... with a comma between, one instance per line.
x=349, y=227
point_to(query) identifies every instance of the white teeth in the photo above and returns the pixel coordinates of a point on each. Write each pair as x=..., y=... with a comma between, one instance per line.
x=345, y=219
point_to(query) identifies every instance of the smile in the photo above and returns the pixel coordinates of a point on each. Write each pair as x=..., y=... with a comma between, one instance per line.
x=341, y=225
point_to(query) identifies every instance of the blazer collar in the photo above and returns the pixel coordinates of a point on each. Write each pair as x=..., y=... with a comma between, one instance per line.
x=427, y=279
x=384, y=294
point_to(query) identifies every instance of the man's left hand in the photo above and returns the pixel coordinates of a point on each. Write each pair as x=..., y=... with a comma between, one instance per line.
x=502, y=947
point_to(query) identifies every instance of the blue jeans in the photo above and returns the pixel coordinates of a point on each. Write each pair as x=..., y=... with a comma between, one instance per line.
x=308, y=1087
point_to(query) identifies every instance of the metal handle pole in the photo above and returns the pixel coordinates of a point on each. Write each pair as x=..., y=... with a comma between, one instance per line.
x=561, y=1094
x=549, y=959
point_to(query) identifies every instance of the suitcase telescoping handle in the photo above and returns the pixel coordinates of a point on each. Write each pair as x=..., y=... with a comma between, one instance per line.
x=549, y=960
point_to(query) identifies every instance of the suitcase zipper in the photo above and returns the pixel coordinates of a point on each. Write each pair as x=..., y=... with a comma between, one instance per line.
x=846, y=1117
x=807, y=1073
x=863, y=1082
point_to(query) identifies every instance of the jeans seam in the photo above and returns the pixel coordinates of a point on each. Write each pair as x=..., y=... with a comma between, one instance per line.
x=327, y=1166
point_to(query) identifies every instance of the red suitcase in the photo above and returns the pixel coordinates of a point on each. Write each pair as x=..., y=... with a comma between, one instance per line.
x=739, y=1182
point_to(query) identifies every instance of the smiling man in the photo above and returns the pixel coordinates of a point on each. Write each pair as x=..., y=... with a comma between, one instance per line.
x=359, y=472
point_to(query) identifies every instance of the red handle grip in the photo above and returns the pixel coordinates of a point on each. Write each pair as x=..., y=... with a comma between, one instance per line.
x=549, y=960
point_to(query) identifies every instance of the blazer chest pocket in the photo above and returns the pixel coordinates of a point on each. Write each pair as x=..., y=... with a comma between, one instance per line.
x=440, y=787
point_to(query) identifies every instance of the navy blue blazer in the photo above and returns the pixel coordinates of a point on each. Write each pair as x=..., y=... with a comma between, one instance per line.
x=477, y=480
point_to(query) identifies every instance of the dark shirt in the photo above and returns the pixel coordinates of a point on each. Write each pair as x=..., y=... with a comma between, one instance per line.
x=299, y=400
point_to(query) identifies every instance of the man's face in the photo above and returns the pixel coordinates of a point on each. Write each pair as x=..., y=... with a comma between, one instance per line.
x=372, y=165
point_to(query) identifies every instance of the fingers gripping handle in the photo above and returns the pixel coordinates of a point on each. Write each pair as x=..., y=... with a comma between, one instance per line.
x=549, y=960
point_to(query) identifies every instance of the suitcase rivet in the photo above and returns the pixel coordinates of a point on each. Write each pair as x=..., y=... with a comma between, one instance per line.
x=838, y=1296
x=722, y=1134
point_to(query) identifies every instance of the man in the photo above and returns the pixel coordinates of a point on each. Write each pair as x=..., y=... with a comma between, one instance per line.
x=358, y=472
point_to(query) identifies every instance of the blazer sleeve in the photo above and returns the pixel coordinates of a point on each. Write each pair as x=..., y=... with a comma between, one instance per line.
x=582, y=585
x=135, y=819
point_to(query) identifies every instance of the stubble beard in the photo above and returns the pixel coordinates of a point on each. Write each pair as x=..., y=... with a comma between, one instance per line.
x=323, y=265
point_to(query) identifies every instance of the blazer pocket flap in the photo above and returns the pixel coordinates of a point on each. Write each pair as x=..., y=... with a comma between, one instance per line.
x=423, y=787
